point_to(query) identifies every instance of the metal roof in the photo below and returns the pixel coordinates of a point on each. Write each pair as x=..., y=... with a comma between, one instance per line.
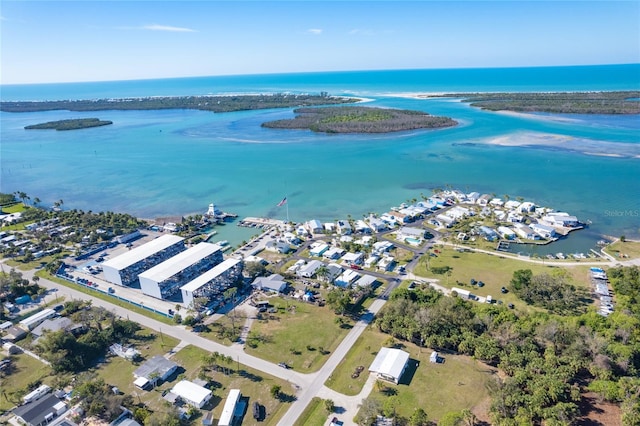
x=180, y=262
x=142, y=252
x=212, y=273
x=157, y=364
x=390, y=362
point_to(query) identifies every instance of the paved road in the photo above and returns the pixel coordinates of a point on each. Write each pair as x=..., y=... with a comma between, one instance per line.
x=181, y=333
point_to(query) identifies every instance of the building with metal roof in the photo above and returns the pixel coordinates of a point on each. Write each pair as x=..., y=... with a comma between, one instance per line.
x=192, y=393
x=124, y=269
x=389, y=364
x=213, y=282
x=166, y=278
x=155, y=369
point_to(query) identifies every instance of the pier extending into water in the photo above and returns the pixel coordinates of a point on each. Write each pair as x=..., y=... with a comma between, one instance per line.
x=259, y=222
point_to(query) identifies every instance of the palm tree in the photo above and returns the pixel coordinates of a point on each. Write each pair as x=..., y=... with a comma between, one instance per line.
x=36, y=201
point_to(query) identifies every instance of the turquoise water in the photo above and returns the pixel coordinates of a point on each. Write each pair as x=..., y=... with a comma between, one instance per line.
x=153, y=163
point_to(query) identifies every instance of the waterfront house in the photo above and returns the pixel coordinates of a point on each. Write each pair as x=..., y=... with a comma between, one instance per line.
x=314, y=226
x=362, y=227
x=377, y=225
x=329, y=227
x=507, y=233
x=525, y=232
x=543, y=230
x=472, y=197
x=561, y=219
x=484, y=199
x=527, y=207
x=344, y=227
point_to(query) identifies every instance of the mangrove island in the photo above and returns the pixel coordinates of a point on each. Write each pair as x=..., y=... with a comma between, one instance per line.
x=360, y=120
x=71, y=124
x=621, y=102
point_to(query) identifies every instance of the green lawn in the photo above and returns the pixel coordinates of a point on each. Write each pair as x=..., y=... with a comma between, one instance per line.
x=493, y=270
x=458, y=383
x=118, y=371
x=314, y=415
x=295, y=336
x=622, y=251
x=24, y=370
x=253, y=384
x=361, y=353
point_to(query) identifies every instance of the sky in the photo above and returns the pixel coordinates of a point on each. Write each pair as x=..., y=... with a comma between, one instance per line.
x=67, y=41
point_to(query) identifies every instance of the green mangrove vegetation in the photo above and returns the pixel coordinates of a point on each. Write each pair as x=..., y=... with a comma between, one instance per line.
x=71, y=124
x=351, y=119
x=622, y=102
x=203, y=103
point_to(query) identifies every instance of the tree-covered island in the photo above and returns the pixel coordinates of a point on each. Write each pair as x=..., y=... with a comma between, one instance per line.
x=623, y=102
x=352, y=119
x=202, y=103
x=70, y=124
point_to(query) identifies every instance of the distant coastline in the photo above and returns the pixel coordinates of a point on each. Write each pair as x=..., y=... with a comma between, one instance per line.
x=621, y=102
x=201, y=103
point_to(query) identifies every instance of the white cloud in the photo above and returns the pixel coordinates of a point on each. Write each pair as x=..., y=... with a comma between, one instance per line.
x=157, y=27
x=315, y=31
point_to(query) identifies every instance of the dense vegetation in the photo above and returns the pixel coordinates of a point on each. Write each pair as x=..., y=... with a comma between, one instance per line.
x=71, y=124
x=12, y=286
x=360, y=120
x=549, y=291
x=549, y=360
x=625, y=102
x=203, y=103
x=68, y=353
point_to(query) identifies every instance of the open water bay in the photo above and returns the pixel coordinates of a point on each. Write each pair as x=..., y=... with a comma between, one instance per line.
x=156, y=163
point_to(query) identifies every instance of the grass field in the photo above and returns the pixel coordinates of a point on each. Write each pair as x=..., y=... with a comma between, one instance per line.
x=118, y=371
x=25, y=369
x=296, y=336
x=254, y=385
x=493, y=270
x=458, y=383
x=361, y=353
x=622, y=251
x=314, y=415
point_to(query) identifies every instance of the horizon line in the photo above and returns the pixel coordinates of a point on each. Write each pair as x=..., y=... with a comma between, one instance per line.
x=316, y=72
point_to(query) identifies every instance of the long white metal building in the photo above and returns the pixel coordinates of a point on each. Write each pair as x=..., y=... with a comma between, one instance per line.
x=213, y=282
x=164, y=279
x=124, y=269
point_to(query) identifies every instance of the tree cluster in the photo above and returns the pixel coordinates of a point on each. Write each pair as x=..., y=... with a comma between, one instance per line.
x=548, y=359
x=70, y=124
x=549, y=291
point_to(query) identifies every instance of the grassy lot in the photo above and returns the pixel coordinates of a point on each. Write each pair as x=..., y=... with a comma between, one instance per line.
x=296, y=333
x=34, y=264
x=314, y=415
x=253, y=384
x=106, y=297
x=217, y=331
x=493, y=270
x=25, y=370
x=361, y=353
x=624, y=251
x=458, y=383
x=118, y=371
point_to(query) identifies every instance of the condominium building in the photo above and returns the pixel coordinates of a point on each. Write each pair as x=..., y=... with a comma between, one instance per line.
x=166, y=278
x=124, y=269
x=212, y=283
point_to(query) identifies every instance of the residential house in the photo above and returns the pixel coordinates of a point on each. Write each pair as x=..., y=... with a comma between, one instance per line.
x=278, y=246
x=489, y=234
x=309, y=270
x=274, y=282
x=314, y=227
x=353, y=258
x=507, y=233
x=525, y=232
x=333, y=253
x=376, y=224
x=318, y=248
x=347, y=278
x=344, y=227
x=544, y=231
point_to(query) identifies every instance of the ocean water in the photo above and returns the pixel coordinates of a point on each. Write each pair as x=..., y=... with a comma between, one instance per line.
x=156, y=163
